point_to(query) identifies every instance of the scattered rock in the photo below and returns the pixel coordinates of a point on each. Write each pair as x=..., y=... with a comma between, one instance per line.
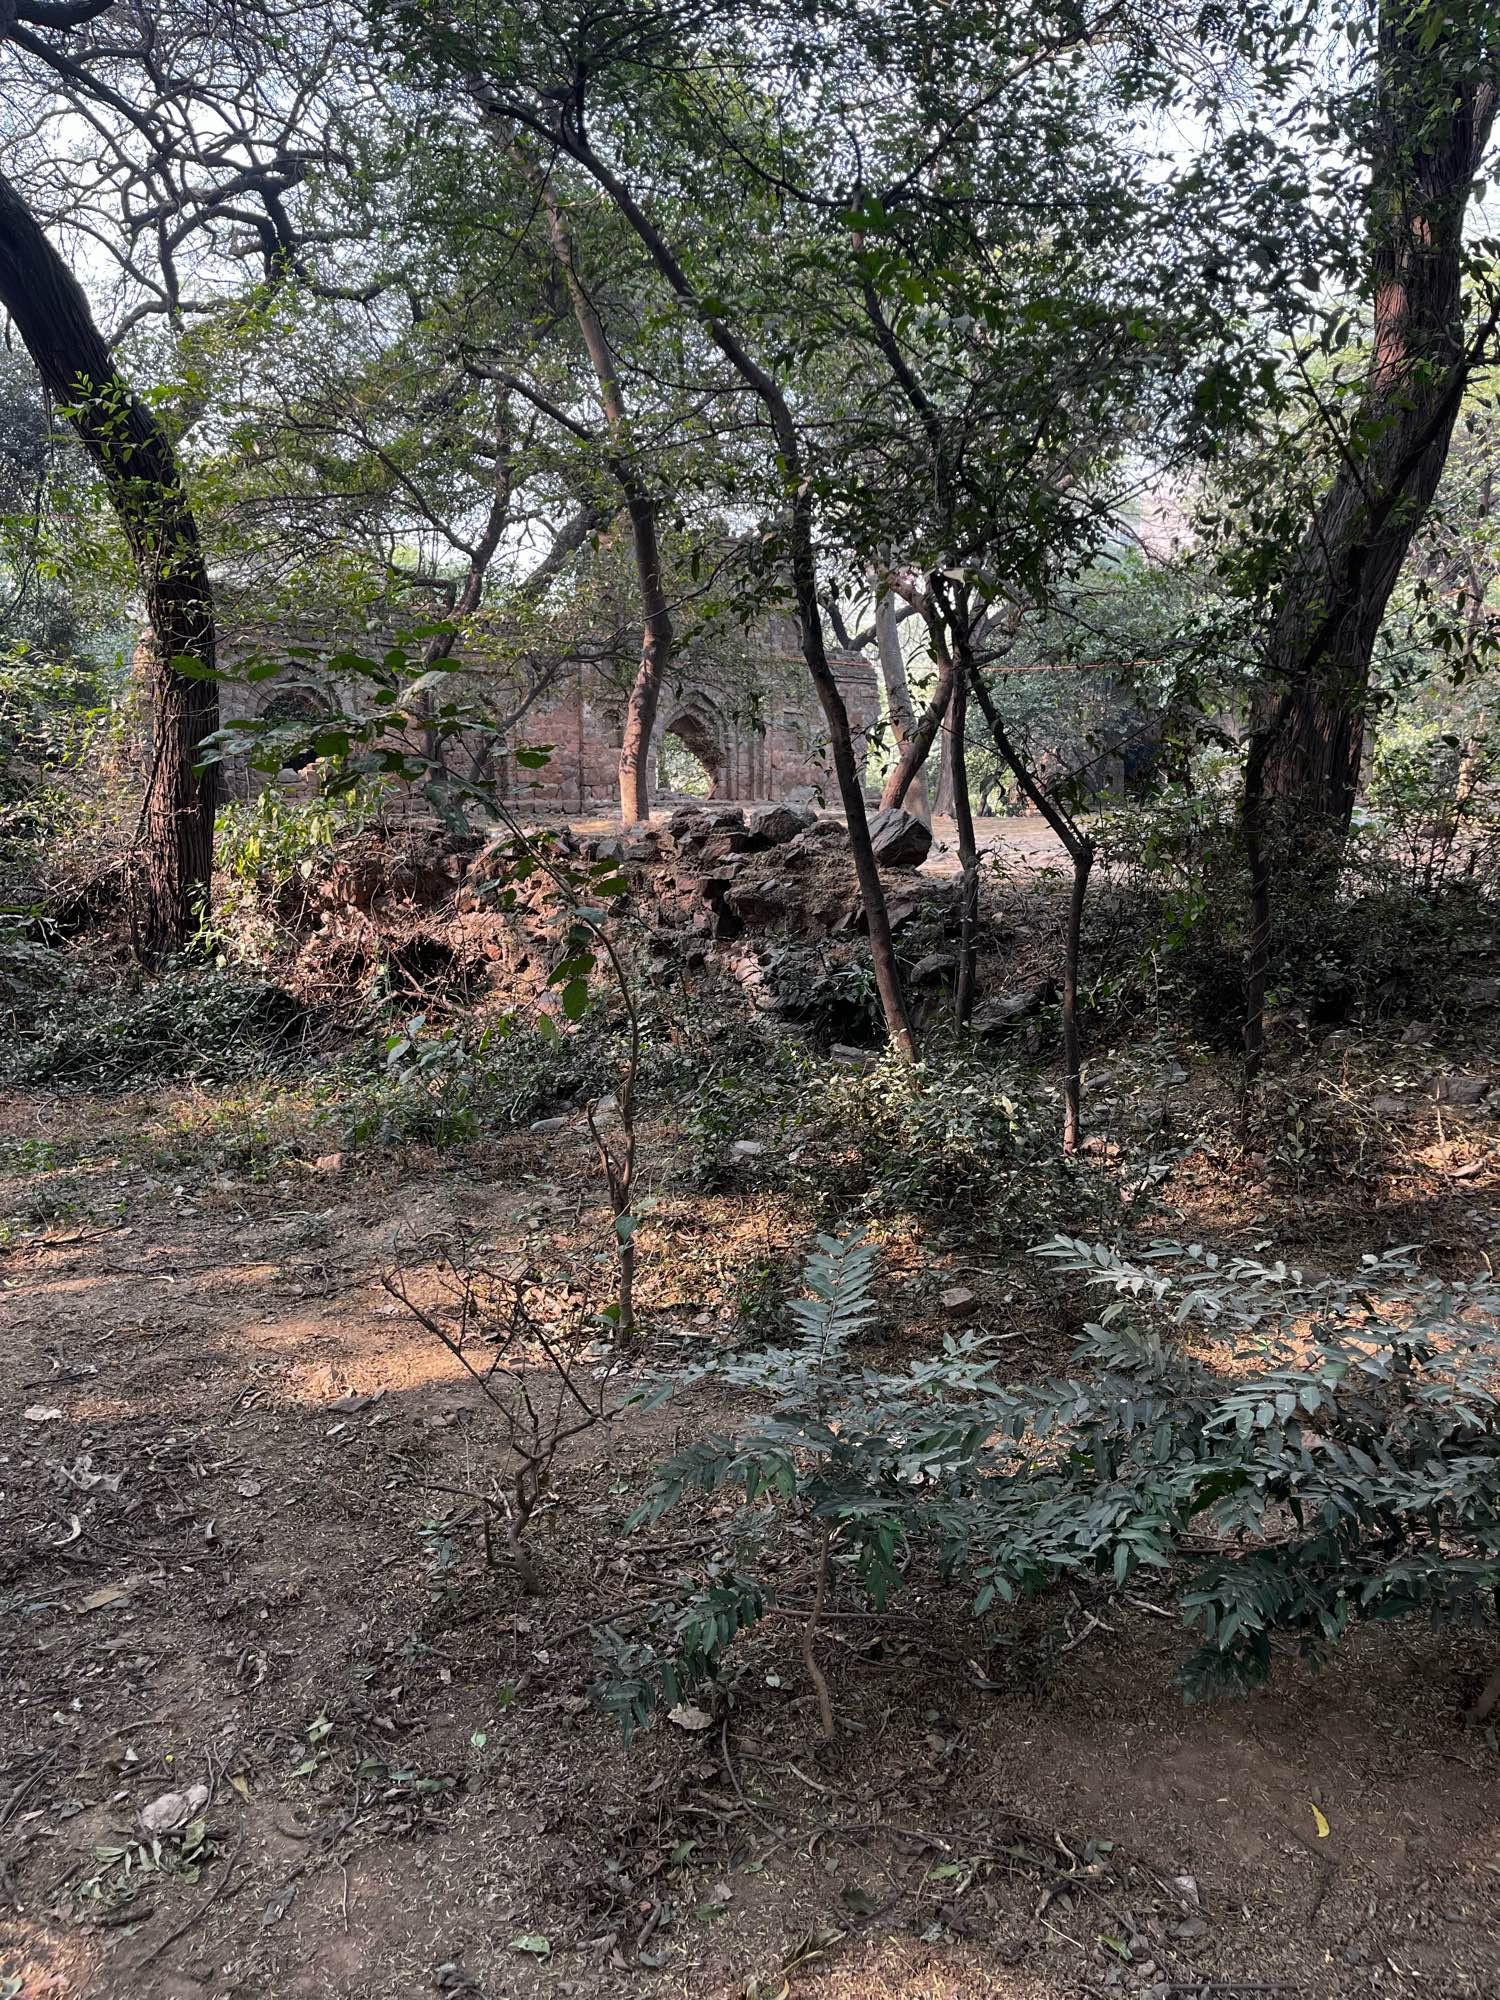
x=759, y=903
x=995, y=1016
x=1417, y=1032
x=820, y=838
x=1461, y=1089
x=746, y=1149
x=41, y=1413
x=730, y=842
x=691, y=826
x=937, y=965
x=545, y=1125
x=774, y=825
x=1483, y=993
x=1390, y=1107
x=845, y=1052
x=346, y=1406
x=900, y=839
x=173, y=1809
x=959, y=1302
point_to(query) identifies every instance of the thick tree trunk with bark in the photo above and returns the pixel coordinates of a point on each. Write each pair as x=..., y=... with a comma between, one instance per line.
x=656, y=651
x=1435, y=111
x=140, y=472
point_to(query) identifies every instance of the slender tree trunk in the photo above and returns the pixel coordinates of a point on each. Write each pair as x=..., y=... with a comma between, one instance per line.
x=802, y=561
x=1258, y=945
x=923, y=736
x=898, y=701
x=1080, y=850
x=1083, y=861
x=1436, y=105
x=968, y=852
x=140, y=472
x=944, y=805
x=641, y=506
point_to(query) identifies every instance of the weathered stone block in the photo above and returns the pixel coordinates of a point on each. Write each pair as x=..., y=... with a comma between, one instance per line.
x=900, y=839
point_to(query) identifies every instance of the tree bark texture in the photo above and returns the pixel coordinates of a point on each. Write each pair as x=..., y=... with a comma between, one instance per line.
x=1435, y=109
x=139, y=468
x=924, y=734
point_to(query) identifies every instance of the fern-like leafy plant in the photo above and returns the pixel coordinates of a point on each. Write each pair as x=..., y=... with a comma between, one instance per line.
x=863, y=1454
x=1292, y=1456
x=1346, y=1467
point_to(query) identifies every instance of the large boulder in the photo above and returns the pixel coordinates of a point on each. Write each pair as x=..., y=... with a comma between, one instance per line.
x=995, y=1016
x=774, y=825
x=899, y=838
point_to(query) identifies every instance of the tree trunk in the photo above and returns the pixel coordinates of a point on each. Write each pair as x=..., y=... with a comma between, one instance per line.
x=802, y=562
x=968, y=851
x=1080, y=849
x=924, y=735
x=656, y=651
x=1435, y=109
x=945, y=805
x=140, y=472
x=641, y=506
x=898, y=701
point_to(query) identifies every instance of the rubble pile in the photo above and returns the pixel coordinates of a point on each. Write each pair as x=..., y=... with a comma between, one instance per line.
x=741, y=894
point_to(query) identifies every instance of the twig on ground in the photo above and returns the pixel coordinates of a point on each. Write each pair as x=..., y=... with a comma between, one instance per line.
x=220, y=1888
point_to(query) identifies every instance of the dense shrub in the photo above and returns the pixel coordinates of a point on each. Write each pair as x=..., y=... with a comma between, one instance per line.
x=445, y=1085
x=188, y=1024
x=1291, y=1456
x=1418, y=900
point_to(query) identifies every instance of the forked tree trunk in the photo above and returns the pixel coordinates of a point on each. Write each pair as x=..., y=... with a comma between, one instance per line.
x=640, y=505
x=802, y=563
x=140, y=472
x=898, y=702
x=1433, y=117
x=924, y=734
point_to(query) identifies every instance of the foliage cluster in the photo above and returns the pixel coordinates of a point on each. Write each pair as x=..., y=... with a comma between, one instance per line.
x=1418, y=900
x=202, y=1025
x=1287, y=1456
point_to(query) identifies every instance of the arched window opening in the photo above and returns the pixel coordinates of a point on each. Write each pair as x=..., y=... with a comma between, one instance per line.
x=691, y=761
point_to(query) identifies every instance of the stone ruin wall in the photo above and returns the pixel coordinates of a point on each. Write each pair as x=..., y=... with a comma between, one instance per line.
x=754, y=725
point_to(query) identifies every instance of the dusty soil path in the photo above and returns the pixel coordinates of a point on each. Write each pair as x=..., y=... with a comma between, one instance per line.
x=233, y=1558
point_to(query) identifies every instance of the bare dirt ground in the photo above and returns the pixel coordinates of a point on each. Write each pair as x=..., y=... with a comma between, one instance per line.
x=225, y=1560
